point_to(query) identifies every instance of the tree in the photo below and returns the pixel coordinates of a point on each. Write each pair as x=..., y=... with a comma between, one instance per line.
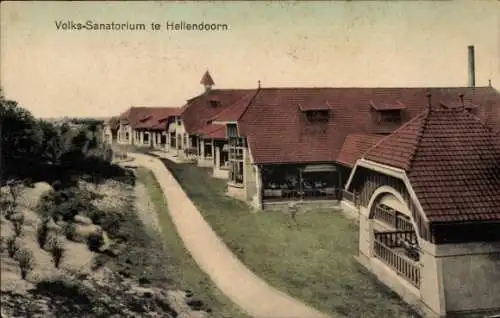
x=21, y=139
x=57, y=251
x=26, y=261
x=114, y=126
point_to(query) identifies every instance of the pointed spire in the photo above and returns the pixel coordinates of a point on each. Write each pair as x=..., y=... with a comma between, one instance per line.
x=462, y=101
x=489, y=82
x=258, y=84
x=429, y=100
x=207, y=81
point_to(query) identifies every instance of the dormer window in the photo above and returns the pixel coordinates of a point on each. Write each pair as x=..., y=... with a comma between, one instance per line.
x=213, y=101
x=145, y=118
x=317, y=115
x=390, y=116
x=232, y=130
x=388, y=112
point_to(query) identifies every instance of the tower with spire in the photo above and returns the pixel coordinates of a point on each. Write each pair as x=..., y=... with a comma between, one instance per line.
x=207, y=81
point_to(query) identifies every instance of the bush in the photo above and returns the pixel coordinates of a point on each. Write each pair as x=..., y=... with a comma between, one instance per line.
x=99, y=261
x=95, y=241
x=41, y=233
x=17, y=223
x=70, y=231
x=111, y=222
x=57, y=251
x=13, y=246
x=46, y=207
x=26, y=261
x=51, y=240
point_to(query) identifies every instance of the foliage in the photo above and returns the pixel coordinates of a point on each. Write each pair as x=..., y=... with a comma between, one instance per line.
x=17, y=225
x=15, y=188
x=26, y=261
x=65, y=203
x=114, y=124
x=21, y=138
x=31, y=146
x=95, y=241
x=13, y=245
x=109, y=221
x=57, y=251
x=42, y=233
x=70, y=231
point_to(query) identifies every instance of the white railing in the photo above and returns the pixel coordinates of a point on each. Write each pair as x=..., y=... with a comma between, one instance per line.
x=384, y=248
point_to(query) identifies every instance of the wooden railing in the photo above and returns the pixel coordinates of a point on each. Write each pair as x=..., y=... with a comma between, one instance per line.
x=305, y=194
x=393, y=218
x=351, y=197
x=385, y=245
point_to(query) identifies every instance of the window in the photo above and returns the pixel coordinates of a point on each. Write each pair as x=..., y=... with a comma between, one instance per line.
x=317, y=115
x=146, y=138
x=207, y=149
x=237, y=146
x=391, y=116
x=172, y=140
x=232, y=130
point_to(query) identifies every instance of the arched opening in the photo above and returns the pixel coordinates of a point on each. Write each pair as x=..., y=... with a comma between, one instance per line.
x=395, y=240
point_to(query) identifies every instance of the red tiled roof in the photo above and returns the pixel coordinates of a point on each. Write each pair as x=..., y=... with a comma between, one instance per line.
x=278, y=132
x=388, y=106
x=213, y=131
x=149, y=117
x=234, y=111
x=355, y=145
x=198, y=111
x=452, y=160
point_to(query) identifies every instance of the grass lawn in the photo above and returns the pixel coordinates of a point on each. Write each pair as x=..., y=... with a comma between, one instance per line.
x=313, y=262
x=184, y=272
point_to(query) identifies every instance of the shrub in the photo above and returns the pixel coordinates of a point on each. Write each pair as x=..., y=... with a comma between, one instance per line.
x=46, y=207
x=70, y=231
x=26, y=261
x=13, y=245
x=95, y=241
x=4, y=206
x=98, y=262
x=17, y=223
x=57, y=251
x=111, y=222
x=51, y=240
x=41, y=233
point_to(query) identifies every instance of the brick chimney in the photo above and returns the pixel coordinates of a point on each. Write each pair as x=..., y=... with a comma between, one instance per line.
x=472, y=67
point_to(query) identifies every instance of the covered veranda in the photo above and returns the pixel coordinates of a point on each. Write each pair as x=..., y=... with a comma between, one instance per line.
x=301, y=182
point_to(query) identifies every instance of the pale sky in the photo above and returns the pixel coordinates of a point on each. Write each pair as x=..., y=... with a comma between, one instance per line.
x=328, y=44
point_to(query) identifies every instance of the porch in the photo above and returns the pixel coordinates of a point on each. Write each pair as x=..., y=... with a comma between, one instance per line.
x=221, y=159
x=301, y=183
x=399, y=250
x=206, y=157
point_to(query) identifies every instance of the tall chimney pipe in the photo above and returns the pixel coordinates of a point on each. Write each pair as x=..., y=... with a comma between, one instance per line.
x=472, y=67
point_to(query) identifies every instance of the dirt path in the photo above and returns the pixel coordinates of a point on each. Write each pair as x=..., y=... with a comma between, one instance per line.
x=241, y=285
